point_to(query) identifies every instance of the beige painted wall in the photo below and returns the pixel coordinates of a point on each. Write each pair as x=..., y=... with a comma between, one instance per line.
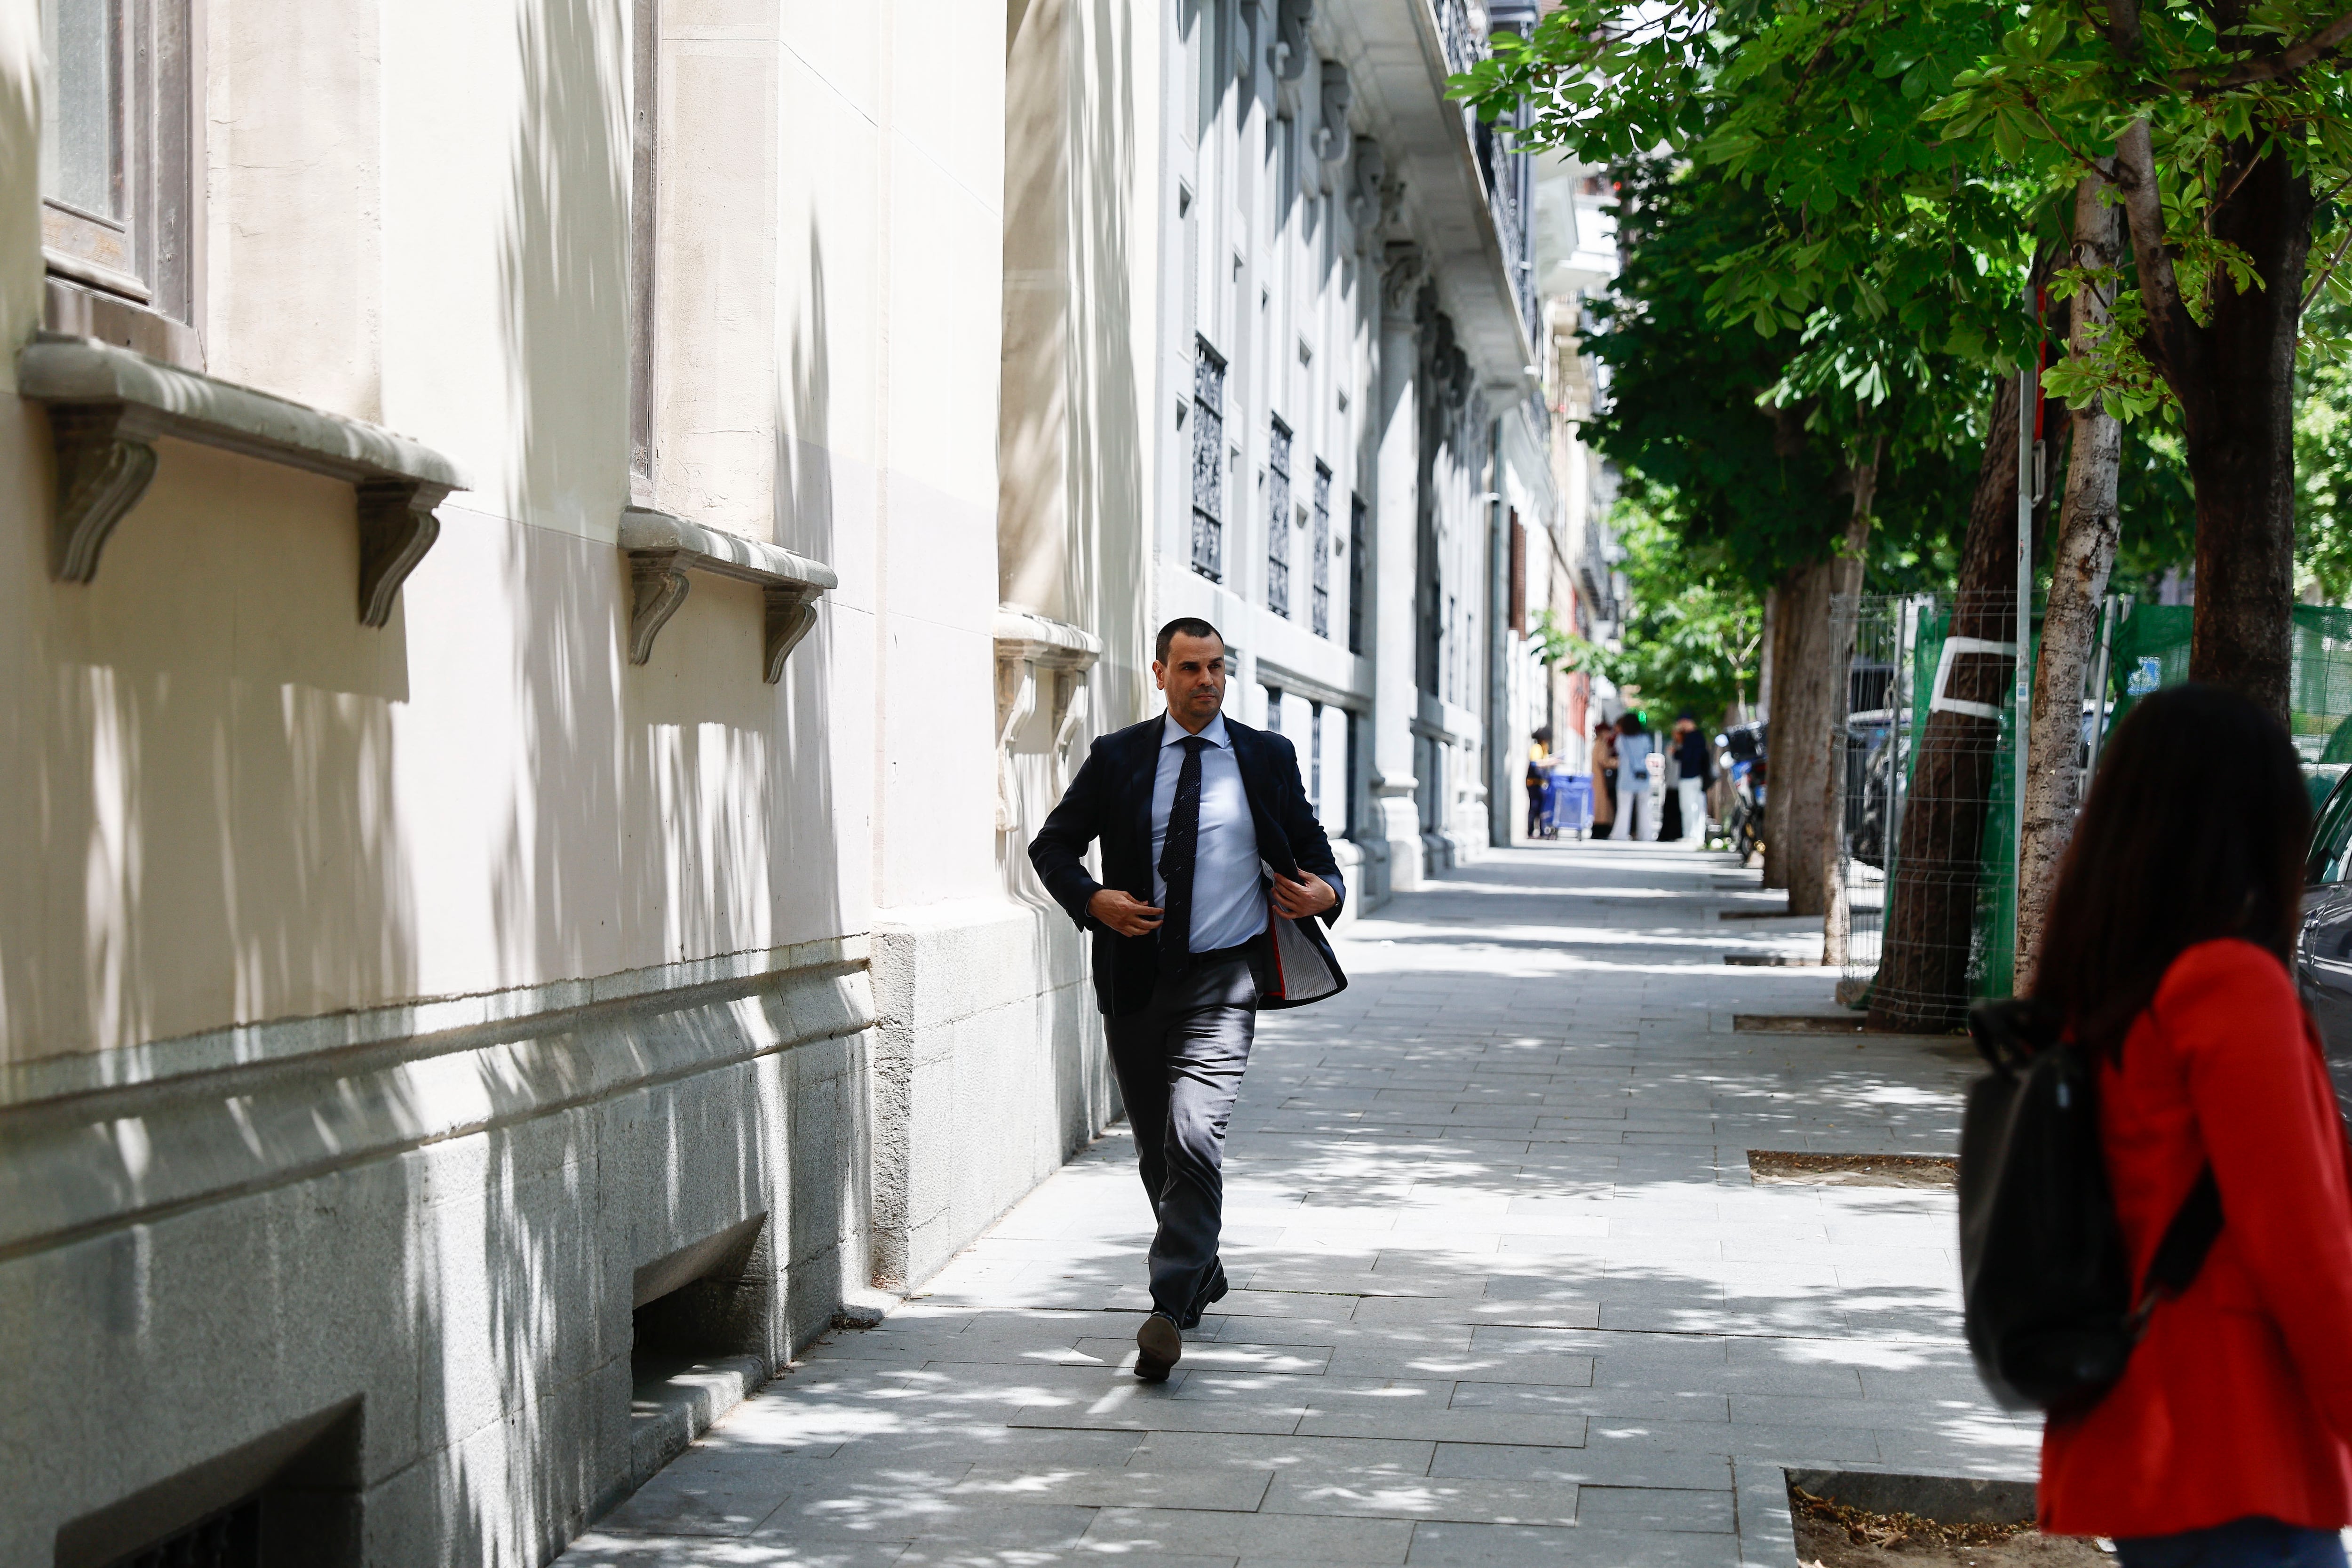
x=294, y=131
x=224, y=801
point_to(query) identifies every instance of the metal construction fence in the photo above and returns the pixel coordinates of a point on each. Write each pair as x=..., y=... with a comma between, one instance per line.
x=1931, y=736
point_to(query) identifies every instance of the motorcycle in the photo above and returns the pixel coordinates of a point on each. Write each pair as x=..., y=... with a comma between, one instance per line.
x=1745, y=766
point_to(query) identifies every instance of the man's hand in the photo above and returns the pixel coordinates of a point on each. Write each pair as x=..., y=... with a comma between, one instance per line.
x=1124, y=914
x=1310, y=895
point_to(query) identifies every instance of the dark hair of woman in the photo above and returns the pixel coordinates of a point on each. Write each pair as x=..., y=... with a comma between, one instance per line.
x=1630, y=723
x=2196, y=828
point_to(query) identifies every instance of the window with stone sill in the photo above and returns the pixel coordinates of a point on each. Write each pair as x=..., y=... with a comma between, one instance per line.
x=1208, y=460
x=1355, y=573
x=1315, y=756
x=1277, y=521
x=118, y=160
x=1320, y=543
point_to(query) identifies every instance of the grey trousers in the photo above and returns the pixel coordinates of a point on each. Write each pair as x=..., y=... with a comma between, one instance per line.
x=1180, y=1064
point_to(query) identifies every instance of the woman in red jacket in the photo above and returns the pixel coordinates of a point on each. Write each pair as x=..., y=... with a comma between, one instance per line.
x=2171, y=937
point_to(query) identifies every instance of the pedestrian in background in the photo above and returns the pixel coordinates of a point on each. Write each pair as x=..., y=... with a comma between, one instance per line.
x=1538, y=779
x=1693, y=771
x=1637, y=806
x=1604, y=778
x=2228, y=1440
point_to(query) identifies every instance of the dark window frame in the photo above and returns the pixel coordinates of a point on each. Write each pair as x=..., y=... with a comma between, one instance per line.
x=1356, y=531
x=131, y=276
x=645, y=235
x=1320, y=542
x=1277, y=518
x=1207, y=460
x=1314, y=755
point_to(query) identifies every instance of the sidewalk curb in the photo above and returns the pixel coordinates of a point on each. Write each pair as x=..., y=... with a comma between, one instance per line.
x=1767, y=1536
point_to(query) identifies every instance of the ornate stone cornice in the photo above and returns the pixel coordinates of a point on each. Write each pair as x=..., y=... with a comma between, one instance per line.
x=662, y=550
x=1292, y=48
x=1405, y=271
x=108, y=406
x=1333, y=143
x=1028, y=645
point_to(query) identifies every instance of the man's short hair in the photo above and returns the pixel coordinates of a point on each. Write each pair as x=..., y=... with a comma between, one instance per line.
x=1191, y=627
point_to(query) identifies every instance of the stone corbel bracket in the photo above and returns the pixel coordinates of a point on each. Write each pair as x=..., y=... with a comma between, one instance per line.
x=108, y=406
x=1028, y=644
x=663, y=549
x=1332, y=137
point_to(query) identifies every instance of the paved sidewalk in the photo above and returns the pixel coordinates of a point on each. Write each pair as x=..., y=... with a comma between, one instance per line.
x=1505, y=1292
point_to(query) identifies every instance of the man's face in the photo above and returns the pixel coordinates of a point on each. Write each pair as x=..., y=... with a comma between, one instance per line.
x=1193, y=677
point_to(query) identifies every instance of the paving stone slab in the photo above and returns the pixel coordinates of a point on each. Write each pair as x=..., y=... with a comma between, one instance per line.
x=1601, y=1462
x=1525, y=1546
x=599, y=1550
x=1231, y=1489
x=1302, y=1538
x=1466, y=1499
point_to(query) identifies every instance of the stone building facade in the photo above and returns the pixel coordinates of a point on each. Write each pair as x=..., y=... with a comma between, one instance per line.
x=556, y=551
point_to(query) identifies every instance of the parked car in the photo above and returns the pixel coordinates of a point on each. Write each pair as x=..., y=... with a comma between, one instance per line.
x=1871, y=752
x=2323, y=959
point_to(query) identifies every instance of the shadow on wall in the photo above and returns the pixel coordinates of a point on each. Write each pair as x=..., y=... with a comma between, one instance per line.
x=1109, y=438
x=641, y=831
x=203, y=768
x=564, y=281
x=806, y=853
x=804, y=520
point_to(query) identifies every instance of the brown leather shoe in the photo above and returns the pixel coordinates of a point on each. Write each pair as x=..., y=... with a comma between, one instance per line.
x=1159, y=1346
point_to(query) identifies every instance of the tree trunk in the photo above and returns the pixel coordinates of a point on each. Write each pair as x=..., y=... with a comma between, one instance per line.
x=2241, y=444
x=2086, y=552
x=1779, y=818
x=1845, y=603
x=2235, y=376
x=1923, y=970
x=1801, y=681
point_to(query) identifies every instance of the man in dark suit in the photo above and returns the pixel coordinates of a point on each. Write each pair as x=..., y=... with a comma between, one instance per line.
x=1203, y=824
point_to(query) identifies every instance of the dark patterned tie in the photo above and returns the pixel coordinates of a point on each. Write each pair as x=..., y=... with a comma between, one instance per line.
x=1177, y=853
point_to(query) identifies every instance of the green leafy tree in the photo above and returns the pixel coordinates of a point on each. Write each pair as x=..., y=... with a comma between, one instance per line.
x=1876, y=127
x=1910, y=153
x=1783, y=460
x=1693, y=630
x=2323, y=462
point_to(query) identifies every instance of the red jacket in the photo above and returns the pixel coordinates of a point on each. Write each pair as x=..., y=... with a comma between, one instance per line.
x=2239, y=1400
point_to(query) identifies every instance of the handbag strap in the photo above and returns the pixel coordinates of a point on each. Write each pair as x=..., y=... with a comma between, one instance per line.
x=2196, y=1225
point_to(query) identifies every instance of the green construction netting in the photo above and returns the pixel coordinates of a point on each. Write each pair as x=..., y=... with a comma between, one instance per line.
x=1992, y=937
x=2149, y=652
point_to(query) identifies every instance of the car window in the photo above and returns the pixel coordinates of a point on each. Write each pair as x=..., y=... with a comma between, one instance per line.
x=2331, y=839
x=2319, y=780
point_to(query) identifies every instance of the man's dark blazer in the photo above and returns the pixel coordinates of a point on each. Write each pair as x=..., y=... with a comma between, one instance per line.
x=1111, y=800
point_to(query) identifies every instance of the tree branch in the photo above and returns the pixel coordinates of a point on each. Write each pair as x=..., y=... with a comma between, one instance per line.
x=2271, y=68
x=2325, y=274
x=2169, y=322
x=2122, y=27
x=2034, y=107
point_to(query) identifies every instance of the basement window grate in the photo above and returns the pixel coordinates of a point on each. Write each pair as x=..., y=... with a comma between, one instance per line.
x=229, y=1539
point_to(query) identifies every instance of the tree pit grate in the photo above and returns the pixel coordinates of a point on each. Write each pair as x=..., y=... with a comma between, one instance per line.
x=1845, y=1518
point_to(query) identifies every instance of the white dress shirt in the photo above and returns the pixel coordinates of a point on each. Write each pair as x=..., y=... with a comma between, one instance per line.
x=1228, y=907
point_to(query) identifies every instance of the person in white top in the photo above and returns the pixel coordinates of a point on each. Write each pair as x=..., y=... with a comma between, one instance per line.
x=1637, y=780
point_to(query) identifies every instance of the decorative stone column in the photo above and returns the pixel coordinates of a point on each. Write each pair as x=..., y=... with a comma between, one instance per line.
x=1396, y=509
